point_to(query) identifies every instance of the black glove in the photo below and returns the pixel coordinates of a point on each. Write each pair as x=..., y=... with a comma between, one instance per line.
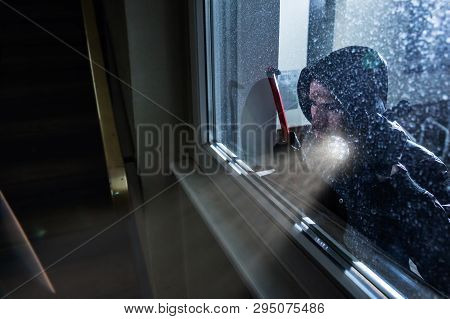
x=379, y=144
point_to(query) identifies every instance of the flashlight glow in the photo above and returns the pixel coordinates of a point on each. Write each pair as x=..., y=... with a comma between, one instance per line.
x=328, y=156
x=337, y=148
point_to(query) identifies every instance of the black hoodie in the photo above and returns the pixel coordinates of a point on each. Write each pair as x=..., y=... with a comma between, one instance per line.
x=400, y=213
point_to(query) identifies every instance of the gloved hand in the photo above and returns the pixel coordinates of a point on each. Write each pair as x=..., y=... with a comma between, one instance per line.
x=378, y=144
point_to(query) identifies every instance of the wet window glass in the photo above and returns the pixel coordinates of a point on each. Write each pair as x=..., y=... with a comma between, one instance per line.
x=346, y=103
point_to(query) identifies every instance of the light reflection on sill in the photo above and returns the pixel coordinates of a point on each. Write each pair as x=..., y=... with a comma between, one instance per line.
x=360, y=285
x=218, y=152
x=374, y=277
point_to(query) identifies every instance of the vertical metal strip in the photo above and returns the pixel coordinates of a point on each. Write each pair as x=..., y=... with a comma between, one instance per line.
x=111, y=147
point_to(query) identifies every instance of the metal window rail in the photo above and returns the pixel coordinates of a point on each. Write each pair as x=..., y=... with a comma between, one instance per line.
x=113, y=154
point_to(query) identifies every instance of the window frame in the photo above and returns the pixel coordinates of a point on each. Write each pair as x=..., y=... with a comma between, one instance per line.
x=355, y=278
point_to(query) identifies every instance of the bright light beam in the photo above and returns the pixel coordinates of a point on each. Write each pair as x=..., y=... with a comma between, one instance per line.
x=18, y=238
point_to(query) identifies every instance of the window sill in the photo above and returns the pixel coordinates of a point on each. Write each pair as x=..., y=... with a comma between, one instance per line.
x=274, y=255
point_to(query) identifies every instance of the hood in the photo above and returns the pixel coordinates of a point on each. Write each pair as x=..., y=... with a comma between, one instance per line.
x=356, y=76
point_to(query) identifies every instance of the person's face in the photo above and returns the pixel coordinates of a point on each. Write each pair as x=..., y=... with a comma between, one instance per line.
x=326, y=117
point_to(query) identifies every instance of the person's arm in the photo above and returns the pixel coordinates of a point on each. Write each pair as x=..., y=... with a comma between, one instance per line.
x=427, y=170
x=426, y=229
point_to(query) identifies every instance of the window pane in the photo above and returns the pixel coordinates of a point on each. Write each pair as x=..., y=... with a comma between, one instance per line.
x=365, y=88
x=245, y=43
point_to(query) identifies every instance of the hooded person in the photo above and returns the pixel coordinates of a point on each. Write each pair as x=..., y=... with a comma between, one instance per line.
x=393, y=190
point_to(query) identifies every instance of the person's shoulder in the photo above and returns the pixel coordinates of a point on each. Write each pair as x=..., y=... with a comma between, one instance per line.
x=417, y=153
x=412, y=153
